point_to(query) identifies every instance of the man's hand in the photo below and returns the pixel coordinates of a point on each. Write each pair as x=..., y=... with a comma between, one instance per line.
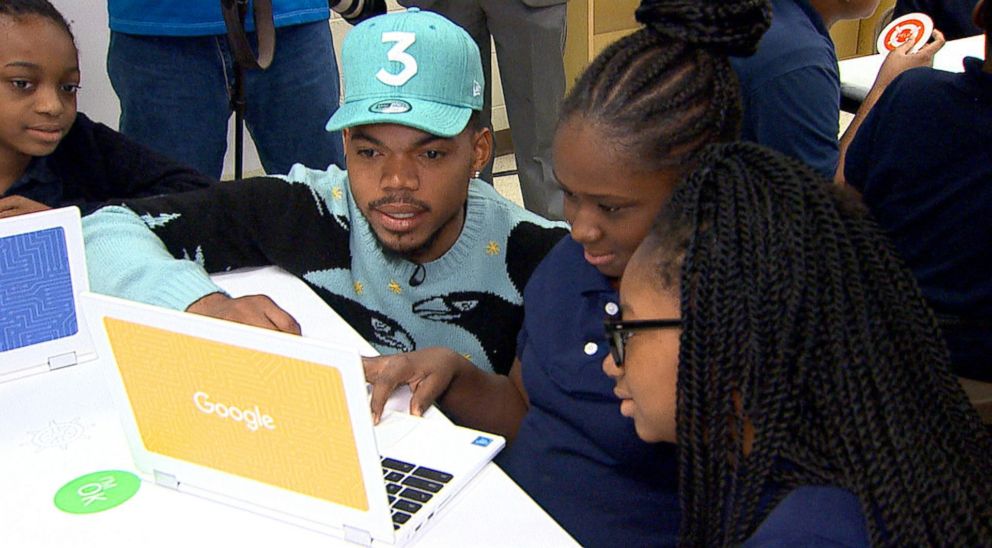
x=257, y=310
x=12, y=206
x=900, y=59
x=428, y=372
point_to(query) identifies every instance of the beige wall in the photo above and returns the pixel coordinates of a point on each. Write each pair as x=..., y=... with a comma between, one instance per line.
x=593, y=25
x=854, y=38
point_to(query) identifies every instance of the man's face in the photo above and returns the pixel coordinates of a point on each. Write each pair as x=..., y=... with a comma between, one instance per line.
x=412, y=186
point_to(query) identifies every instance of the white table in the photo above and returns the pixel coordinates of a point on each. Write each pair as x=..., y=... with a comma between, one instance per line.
x=57, y=426
x=858, y=74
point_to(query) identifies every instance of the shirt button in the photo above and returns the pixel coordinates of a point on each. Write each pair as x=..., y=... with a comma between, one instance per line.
x=591, y=348
x=612, y=309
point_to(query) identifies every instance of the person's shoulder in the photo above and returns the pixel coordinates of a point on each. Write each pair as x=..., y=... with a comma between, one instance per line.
x=924, y=77
x=917, y=88
x=814, y=515
x=793, y=41
x=565, y=256
x=528, y=236
x=498, y=208
x=328, y=186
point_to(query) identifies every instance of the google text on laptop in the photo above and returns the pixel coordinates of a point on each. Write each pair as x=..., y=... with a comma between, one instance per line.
x=42, y=272
x=268, y=422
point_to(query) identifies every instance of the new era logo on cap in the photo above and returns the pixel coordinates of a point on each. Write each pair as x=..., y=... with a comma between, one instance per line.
x=413, y=68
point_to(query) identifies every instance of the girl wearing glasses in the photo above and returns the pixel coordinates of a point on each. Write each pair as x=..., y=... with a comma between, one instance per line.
x=627, y=132
x=770, y=332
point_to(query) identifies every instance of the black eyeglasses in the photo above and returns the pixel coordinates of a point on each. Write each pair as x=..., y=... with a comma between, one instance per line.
x=618, y=331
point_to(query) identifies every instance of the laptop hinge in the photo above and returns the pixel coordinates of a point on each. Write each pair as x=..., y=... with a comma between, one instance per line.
x=357, y=536
x=166, y=480
x=62, y=360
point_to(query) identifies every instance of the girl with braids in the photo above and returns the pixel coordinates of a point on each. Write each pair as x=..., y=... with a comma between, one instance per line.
x=630, y=127
x=769, y=331
x=50, y=156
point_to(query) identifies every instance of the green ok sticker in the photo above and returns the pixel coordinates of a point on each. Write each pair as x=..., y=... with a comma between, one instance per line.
x=97, y=492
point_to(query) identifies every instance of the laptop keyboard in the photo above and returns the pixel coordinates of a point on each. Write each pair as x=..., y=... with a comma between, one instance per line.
x=409, y=486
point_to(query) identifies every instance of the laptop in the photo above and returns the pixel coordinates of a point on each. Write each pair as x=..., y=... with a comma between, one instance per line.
x=42, y=273
x=276, y=424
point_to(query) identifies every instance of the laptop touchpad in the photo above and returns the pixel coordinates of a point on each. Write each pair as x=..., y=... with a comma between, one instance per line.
x=392, y=428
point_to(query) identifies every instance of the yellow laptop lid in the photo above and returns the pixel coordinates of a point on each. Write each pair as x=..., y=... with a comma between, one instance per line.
x=274, y=419
x=274, y=423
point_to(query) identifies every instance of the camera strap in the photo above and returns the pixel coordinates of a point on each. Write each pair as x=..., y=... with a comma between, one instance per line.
x=265, y=30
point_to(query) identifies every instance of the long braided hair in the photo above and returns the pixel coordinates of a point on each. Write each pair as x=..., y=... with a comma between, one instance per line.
x=799, y=321
x=666, y=90
x=17, y=9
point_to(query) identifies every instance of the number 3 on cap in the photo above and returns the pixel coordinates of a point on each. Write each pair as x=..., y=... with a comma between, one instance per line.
x=398, y=53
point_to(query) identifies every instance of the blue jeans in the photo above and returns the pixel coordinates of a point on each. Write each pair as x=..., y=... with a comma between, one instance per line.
x=175, y=98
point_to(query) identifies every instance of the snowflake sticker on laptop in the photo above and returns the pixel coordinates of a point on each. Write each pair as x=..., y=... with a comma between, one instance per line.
x=482, y=441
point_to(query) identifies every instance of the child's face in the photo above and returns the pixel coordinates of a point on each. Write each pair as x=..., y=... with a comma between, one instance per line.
x=609, y=202
x=39, y=74
x=646, y=380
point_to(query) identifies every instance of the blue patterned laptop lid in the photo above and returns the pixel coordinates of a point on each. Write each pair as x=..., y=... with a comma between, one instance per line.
x=36, y=298
x=42, y=271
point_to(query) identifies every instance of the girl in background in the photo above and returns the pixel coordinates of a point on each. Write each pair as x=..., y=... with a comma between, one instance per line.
x=50, y=156
x=769, y=330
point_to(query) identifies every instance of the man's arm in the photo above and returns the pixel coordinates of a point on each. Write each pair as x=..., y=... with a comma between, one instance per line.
x=126, y=259
x=896, y=62
x=159, y=250
x=148, y=273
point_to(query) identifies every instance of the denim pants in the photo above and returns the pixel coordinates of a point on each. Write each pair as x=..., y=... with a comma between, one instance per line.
x=175, y=97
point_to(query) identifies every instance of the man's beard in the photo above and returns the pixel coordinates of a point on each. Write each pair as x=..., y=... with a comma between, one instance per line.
x=410, y=253
x=407, y=254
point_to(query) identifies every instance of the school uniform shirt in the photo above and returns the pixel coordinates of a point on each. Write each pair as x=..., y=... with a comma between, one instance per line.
x=790, y=88
x=952, y=17
x=575, y=454
x=469, y=299
x=94, y=164
x=921, y=161
x=813, y=516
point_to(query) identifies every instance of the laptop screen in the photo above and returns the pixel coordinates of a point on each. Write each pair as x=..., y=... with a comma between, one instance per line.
x=36, y=298
x=274, y=419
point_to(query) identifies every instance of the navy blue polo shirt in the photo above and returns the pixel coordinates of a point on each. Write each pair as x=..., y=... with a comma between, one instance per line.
x=952, y=17
x=812, y=517
x=38, y=183
x=575, y=454
x=922, y=163
x=790, y=88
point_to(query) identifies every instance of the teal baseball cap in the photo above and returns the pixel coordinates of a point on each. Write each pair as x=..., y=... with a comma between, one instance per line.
x=413, y=68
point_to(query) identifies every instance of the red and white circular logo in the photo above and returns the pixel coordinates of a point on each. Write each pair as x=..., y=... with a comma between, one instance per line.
x=912, y=27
